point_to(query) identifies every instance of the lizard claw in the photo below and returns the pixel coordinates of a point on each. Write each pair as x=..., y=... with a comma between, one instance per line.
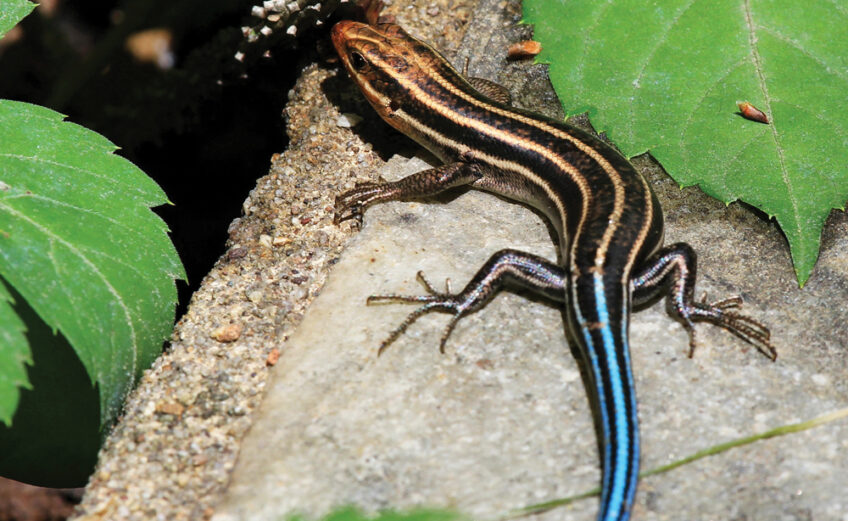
x=351, y=204
x=740, y=325
x=434, y=300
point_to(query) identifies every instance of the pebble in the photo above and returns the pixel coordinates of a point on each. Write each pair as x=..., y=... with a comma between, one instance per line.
x=348, y=120
x=273, y=357
x=172, y=408
x=229, y=333
x=265, y=240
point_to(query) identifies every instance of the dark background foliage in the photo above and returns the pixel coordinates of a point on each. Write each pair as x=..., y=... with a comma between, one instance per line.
x=203, y=126
x=159, y=79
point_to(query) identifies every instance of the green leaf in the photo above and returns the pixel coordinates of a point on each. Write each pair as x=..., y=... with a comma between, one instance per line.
x=87, y=290
x=78, y=241
x=14, y=348
x=665, y=77
x=14, y=353
x=11, y=12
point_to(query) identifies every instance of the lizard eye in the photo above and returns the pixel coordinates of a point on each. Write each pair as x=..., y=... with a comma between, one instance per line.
x=358, y=62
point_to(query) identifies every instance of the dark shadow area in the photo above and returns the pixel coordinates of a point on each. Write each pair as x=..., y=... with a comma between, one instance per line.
x=385, y=140
x=56, y=427
x=159, y=79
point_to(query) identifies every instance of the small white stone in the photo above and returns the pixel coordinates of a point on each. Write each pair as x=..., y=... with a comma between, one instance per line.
x=570, y=375
x=348, y=120
x=822, y=380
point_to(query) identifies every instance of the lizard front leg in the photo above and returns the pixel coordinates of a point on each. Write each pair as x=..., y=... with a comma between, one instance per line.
x=351, y=204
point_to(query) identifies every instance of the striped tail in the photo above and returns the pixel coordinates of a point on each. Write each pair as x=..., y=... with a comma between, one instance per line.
x=602, y=313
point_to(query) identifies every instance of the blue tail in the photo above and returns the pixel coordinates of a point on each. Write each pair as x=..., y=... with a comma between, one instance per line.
x=602, y=313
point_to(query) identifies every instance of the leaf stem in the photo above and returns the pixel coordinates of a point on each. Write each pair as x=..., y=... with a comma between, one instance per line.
x=710, y=451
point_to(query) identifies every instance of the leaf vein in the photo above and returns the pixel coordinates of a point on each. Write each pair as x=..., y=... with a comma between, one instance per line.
x=580, y=64
x=836, y=126
x=97, y=175
x=752, y=38
x=119, y=261
x=53, y=237
x=690, y=117
x=838, y=7
x=738, y=153
x=836, y=185
x=797, y=46
x=58, y=202
x=659, y=42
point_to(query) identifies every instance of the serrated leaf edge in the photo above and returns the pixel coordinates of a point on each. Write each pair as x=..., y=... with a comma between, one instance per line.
x=106, y=179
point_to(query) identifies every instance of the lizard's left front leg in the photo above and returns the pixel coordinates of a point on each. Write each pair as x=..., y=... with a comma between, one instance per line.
x=352, y=203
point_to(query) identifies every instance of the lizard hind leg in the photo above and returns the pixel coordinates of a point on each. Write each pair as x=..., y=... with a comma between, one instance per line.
x=510, y=269
x=433, y=301
x=672, y=270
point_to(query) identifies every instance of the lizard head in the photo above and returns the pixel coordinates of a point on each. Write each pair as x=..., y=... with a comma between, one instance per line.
x=384, y=61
